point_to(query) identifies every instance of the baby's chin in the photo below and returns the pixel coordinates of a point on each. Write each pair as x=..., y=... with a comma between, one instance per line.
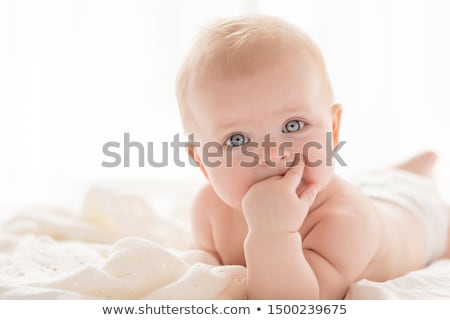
x=234, y=202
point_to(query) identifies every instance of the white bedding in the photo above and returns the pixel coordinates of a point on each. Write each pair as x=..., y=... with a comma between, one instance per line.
x=118, y=247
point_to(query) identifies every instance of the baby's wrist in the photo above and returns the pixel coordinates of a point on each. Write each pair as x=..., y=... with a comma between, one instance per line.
x=269, y=232
x=268, y=238
x=273, y=224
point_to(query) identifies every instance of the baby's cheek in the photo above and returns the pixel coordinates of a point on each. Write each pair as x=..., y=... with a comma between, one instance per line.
x=319, y=174
x=230, y=186
x=317, y=169
x=314, y=155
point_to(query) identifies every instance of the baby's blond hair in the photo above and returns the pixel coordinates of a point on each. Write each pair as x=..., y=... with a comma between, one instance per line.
x=241, y=46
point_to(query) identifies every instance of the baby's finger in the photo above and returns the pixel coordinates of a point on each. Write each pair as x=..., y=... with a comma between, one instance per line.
x=309, y=194
x=294, y=175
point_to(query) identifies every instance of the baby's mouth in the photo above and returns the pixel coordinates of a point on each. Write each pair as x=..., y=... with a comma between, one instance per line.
x=297, y=158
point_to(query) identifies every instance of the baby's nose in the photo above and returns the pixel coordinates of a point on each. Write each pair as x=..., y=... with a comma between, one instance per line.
x=273, y=156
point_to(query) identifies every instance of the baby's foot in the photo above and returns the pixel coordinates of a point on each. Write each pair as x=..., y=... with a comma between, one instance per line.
x=446, y=254
x=421, y=164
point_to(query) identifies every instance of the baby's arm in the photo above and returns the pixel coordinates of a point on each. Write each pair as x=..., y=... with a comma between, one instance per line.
x=282, y=265
x=201, y=216
x=339, y=248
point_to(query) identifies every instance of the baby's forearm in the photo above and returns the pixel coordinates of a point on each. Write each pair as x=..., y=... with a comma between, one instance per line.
x=277, y=268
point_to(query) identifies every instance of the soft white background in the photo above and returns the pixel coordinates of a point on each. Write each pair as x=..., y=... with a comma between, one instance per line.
x=77, y=74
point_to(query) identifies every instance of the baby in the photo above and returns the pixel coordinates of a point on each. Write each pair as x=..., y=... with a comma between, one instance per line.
x=255, y=96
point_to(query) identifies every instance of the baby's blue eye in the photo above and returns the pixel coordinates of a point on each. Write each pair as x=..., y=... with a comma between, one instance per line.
x=236, y=140
x=293, y=126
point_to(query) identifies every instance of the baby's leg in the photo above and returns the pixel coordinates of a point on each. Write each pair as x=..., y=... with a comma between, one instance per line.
x=447, y=252
x=421, y=164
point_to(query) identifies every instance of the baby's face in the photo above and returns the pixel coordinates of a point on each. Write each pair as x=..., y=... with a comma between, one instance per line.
x=256, y=124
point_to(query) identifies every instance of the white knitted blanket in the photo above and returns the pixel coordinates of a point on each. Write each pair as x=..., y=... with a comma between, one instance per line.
x=117, y=248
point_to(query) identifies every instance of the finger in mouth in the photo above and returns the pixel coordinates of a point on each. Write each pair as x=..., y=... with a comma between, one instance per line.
x=297, y=158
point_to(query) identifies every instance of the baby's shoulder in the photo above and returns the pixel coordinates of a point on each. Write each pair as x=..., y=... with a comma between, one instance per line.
x=347, y=214
x=207, y=205
x=343, y=235
x=347, y=201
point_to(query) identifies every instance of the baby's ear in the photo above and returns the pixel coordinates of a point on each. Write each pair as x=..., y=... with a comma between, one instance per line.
x=336, y=111
x=190, y=149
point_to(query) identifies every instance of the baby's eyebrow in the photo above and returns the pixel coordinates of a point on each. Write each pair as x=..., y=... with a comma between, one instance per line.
x=279, y=111
x=226, y=126
x=231, y=126
x=290, y=110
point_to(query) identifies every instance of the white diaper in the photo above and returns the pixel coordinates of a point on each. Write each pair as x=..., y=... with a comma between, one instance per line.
x=416, y=193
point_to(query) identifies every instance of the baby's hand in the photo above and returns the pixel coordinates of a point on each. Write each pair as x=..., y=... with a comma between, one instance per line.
x=273, y=206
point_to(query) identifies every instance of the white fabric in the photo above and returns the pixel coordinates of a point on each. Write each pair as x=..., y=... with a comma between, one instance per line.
x=419, y=196
x=119, y=248
x=432, y=282
x=51, y=253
